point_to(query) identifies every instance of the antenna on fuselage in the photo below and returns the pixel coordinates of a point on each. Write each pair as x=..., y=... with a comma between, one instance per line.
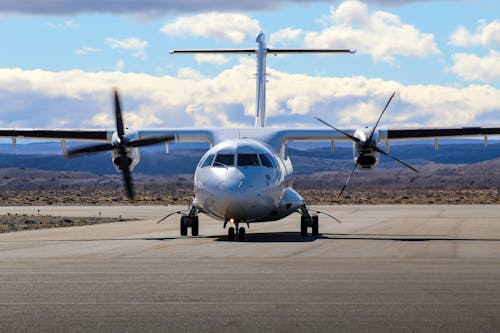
x=262, y=51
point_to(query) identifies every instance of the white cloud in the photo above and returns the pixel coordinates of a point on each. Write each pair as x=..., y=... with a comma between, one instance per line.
x=285, y=36
x=486, y=34
x=120, y=65
x=380, y=34
x=127, y=43
x=37, y=98
x=233, y=27
x=216, y=59
x=131, y=44
x=187, y=73
x=470, y=67
x=66, y=25
x=86, y=50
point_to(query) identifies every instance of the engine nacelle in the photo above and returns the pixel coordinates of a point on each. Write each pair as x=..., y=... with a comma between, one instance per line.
x=363, y=152
x=133, y=154
x=133, y=158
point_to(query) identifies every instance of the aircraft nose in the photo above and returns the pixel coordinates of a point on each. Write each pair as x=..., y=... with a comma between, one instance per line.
x=233, y=183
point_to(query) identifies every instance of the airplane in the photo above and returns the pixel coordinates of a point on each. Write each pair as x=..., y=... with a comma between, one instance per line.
x=246, y=176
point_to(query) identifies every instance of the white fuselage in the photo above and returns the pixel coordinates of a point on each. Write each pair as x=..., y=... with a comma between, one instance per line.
x=244, y=180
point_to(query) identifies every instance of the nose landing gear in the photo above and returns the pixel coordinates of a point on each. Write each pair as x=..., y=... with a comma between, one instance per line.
x=235, y=231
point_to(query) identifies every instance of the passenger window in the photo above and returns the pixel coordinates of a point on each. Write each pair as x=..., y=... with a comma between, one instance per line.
x=224, y=160
x=248, y=160
x=266, y=161
x=208, y=161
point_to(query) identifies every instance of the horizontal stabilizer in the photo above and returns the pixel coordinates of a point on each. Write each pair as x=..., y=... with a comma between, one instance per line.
x=272, y=51
x=247, y=51
x=275, y=51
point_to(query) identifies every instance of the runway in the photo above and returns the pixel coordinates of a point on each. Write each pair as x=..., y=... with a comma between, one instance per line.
x=400, y=268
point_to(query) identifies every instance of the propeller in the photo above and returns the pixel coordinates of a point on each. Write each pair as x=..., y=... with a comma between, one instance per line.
x=368, y=143
x=121, y=146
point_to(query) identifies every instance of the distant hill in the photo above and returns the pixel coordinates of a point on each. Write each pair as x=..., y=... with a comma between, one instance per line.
x=154, y=161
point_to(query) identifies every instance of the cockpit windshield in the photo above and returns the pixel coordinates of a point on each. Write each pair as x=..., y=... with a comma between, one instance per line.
x=224, y=160
x=266, y=161
x=208, y=161
x=248, y=160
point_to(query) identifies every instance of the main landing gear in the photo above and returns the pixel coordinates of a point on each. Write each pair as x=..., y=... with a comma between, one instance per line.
x=235, y=231
x=308, y=221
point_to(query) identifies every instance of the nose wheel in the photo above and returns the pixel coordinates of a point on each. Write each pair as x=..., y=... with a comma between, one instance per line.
x=236, y=232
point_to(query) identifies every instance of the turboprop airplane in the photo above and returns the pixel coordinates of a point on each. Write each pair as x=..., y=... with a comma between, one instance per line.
x=246, y=175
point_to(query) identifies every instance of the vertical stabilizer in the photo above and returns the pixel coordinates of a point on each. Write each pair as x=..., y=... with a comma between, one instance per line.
x=262, y=51
x=260, y=116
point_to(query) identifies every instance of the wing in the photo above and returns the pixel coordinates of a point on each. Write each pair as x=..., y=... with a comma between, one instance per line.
x=422, y=133
x=278, y=138
x=77, y=135
x=180, y=135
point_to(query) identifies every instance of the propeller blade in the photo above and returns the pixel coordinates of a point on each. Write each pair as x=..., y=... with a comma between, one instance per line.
x=345, y=133
x=120, y=130
x=89, y=149
x=350, y=176
x=150, y=141
x=380, y=117
x=127, y=176
x=395, y=159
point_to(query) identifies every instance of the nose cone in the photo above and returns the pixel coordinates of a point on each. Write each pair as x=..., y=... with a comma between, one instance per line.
x=233, y=183
x=238, y=194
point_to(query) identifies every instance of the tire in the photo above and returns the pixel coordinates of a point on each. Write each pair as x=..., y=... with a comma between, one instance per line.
x=303, y=226
x=315, y=225
x=184, y=227
x=230, y=234
x=242, y=234
x=195, y=226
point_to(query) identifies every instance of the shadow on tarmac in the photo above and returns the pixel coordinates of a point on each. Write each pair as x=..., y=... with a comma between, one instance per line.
x=283, y=237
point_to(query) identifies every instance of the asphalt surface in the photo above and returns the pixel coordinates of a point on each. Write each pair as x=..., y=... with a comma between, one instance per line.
x=384, y=269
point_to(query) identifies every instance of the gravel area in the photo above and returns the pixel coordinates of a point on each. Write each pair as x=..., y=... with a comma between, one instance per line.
x=16, y=222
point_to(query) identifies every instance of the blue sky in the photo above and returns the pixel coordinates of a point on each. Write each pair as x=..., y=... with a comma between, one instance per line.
x=60, y=62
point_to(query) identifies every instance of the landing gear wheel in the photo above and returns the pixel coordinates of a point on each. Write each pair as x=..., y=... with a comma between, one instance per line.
x=315, y=225
x=303, y=226
x=184, y=226
x=194, y=226
x=242, y=234
x=230, y=234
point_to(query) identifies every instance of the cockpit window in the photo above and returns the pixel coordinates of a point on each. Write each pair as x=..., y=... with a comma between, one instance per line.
x=224, y=160
x=266, y=161
x=248, y=160
x=208, y=161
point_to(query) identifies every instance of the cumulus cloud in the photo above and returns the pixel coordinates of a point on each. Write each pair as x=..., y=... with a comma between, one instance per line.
x=120, y=65
x=471, y=67
x=131, y=44
x=216, y=59
x=486, y=34
x=285, y=36
x=66, y=25
x=380, y=34
x=86, y=50
x=127, y=43
x=78, y=99
x=232, y=27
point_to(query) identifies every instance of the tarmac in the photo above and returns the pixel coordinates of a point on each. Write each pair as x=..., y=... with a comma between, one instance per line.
x=391, y=268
